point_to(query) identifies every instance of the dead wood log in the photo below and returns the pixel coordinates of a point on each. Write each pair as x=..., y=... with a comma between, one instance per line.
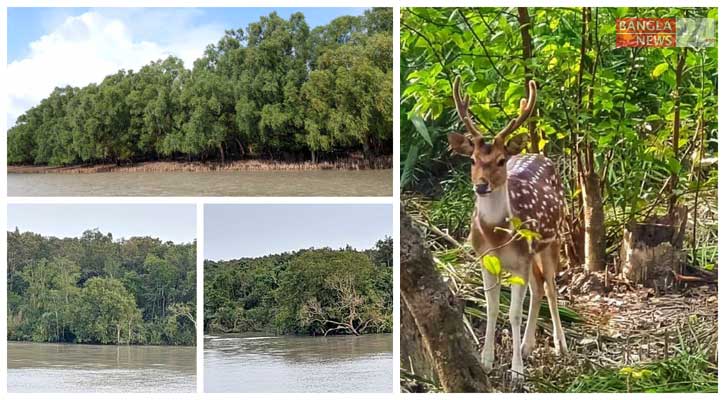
x=651, y=252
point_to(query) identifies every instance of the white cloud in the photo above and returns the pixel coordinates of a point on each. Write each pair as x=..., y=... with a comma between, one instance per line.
x=88, y=47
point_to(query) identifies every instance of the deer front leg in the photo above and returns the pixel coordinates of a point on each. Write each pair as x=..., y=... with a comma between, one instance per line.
x=492, y=290
x=517, y=303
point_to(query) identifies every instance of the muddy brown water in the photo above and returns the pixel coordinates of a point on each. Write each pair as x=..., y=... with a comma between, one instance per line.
x=51, y=367
x=211, y=183
x=255, y=363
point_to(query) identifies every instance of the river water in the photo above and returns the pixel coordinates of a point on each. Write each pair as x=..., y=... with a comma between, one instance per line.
x=213, y=183
x=51, y=367
x=254, y=363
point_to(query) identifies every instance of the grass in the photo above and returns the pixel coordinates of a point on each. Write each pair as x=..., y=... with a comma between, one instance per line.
x=684, y=373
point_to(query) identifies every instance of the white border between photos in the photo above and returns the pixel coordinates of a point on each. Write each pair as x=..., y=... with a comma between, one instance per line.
x=201, y=201
x=4, y=212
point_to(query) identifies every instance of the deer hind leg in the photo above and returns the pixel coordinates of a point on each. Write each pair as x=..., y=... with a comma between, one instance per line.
x=518, y=292
x=536, y=290
x=550, y=259
x=492, y=290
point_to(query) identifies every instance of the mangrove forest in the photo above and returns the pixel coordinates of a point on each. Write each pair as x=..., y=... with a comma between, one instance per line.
x=306, y=292
x=94, y=289
x=276, y=90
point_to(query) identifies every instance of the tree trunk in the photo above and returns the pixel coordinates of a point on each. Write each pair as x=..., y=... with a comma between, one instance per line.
x=438, y=315
x=221, y=152
x=589, y=181
x=413, y=357
x=651, y=252
x=118, y=333
x=525, y=27
x=676, y=128
x=241, y=148
x=594, y=237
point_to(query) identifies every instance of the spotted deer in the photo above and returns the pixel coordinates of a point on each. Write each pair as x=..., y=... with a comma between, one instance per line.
x=509, y=185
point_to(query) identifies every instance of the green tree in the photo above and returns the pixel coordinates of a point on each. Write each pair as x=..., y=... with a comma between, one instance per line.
x=275, y=89
x=105, y=309
x=51, y=289
x=46, y=276
x=315, y=291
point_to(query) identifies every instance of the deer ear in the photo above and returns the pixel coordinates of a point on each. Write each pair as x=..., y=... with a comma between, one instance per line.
x=516, y=144
x=460, y=144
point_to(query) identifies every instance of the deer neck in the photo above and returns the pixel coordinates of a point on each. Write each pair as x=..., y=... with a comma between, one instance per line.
x=494, y=209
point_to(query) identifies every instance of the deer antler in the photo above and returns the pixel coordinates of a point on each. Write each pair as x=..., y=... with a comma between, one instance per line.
x=462, y=107
x=527, y=106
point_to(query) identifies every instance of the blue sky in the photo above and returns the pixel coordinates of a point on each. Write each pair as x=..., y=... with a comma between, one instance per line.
x=249, y=230
x=28, y=24
x=168, y=222
x=50, y=47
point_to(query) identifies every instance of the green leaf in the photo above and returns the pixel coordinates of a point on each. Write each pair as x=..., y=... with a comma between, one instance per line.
x=492, y=264
x=407, y=175
x=516, y=280
x=514, y=90
x=529, y=235
x=674, y=166
x=421, y=128
x=659, y=70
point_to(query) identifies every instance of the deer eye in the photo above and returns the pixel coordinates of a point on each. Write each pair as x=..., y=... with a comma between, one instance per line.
x=501, y=162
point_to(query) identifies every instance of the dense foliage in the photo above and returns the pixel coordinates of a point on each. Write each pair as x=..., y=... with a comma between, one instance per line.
x=636, y=126
x=276, y=89
x=311, y=292
x=95, y=289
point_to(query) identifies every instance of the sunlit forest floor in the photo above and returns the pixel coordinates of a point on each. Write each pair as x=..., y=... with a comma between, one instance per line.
x=629, y=339
x=621, y=337
x=349, y=163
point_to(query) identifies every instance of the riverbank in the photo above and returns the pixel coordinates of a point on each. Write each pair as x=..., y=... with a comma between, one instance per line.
x=290, y=335
x=191, y=346
x=353, y=164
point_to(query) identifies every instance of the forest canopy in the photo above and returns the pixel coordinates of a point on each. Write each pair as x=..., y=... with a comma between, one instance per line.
x=307, y=292
x=276, y=89
x=95, y=289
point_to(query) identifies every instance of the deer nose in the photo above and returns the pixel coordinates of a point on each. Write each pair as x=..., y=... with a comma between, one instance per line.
x=483, y=188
